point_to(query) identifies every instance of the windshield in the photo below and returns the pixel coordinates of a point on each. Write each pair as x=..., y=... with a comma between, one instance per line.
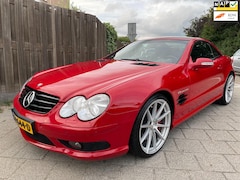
x=169, y=51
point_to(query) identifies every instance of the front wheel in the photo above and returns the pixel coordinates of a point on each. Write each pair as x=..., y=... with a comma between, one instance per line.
x=151, y=128
x=228, y=91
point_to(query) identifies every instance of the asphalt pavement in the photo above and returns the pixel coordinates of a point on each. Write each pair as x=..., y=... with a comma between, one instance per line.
x=206, y=146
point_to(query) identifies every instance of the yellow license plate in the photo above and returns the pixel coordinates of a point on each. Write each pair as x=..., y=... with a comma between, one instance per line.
x=23, y=124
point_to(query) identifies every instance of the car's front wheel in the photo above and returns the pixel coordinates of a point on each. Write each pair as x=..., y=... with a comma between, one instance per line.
x=151, y=127
x=228, y=91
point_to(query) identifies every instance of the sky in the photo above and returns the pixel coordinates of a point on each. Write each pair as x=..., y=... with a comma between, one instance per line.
x=153, y=18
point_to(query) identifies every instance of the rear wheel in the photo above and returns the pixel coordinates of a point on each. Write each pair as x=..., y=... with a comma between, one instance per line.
x=151, y=128
x=228, y=91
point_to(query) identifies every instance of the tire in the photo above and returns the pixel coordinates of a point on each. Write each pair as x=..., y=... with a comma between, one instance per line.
x=228, y=91
x=151, y=127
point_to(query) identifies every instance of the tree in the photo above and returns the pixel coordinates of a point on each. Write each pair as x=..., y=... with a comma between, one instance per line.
x=196, y=27
x=124, y=40
x=75, y=7
x=111, y=38
x=197, y=24
x=226, y=35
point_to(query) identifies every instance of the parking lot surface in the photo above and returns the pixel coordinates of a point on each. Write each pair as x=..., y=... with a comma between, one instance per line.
x=206, y=146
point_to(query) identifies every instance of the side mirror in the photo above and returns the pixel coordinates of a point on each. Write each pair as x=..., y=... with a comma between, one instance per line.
x=202, y=63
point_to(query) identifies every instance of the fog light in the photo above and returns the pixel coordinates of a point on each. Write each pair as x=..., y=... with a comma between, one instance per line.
x=86, y=146
x=75, y=145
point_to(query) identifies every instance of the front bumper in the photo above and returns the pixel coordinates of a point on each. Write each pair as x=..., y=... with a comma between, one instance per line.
x=60, y=148
x=84, y=143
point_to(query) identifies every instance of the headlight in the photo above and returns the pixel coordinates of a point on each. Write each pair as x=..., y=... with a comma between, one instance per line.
x=86, y=109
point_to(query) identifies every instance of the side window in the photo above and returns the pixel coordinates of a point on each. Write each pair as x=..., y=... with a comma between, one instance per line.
x=204, y=50
x=215, y=53
x=196, y=51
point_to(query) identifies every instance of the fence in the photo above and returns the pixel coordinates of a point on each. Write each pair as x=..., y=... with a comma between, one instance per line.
x=35, y=36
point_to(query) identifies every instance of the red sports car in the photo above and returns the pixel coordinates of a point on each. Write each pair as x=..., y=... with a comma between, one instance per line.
x=127, y=101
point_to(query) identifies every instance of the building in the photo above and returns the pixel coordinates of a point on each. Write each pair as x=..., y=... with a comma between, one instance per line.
x=60, y=3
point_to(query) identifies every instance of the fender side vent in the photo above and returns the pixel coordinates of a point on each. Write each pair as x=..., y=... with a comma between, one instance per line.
x=182, y=98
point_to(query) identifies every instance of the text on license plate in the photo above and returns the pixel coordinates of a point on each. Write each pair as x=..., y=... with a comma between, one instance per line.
x=26, y=126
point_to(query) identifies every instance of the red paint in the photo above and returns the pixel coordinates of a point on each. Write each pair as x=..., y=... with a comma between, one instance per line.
x=129, y=86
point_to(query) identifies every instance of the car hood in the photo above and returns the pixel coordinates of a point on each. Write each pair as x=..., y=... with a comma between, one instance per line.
x=91, y=77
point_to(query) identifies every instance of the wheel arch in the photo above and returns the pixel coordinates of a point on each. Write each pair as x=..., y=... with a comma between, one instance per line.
x=168, y=95
x=134, y=147
x=233, y=73
x=222, y=100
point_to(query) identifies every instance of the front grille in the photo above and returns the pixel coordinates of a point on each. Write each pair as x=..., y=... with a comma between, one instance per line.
x=42, y=102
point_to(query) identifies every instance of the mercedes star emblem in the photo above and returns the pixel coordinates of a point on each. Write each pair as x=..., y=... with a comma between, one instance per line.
x=28, y=99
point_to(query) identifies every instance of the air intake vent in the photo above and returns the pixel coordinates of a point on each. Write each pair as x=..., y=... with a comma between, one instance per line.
x=40, y=103
x=145, y=64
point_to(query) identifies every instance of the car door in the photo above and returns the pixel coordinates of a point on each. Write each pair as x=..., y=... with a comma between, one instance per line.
x=205, y=81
